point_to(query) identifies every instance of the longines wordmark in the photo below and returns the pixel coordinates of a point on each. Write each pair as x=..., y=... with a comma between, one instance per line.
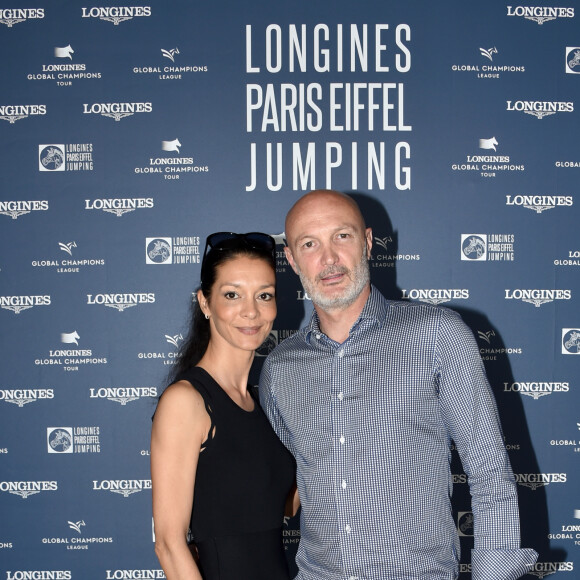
x=134, y=575
x=124, y=487
x=435, y=295
x=12, y=16
x=537, y=297
x=19, y=303
x=116, y=111
x=536, y=389
x=27, y=488
x=119, y=206
x=121, y=302
x=539, y=203
x=13, y=113
x=540, y=14
x=540, y=109
x=15, y=209
x=116, y=14
x=21, y=397
x=542, y=569
x=122, y=395
x=535, y=481
x=38, y=575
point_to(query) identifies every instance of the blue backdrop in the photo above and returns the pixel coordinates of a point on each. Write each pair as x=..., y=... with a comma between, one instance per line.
x=129, y=132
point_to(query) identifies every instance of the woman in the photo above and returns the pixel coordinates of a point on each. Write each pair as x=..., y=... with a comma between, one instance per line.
x=217, y=467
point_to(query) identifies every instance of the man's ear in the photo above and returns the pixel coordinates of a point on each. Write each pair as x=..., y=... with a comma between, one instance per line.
x=369, y=241
x=290, y=258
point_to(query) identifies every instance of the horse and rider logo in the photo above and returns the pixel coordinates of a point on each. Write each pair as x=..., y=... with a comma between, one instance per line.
x=51, y=158
x=59, y=439
x=474, y=247
x=158, y=251
x=573, y=60
x=571, y=341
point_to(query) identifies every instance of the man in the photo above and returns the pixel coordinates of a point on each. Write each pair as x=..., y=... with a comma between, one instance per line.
x=368, y=397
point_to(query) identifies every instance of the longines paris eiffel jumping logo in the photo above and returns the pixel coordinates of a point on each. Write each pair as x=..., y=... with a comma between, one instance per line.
x=65, y=157
x=73, y=439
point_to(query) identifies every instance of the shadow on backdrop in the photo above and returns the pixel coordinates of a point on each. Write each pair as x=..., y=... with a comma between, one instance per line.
x=532, y=496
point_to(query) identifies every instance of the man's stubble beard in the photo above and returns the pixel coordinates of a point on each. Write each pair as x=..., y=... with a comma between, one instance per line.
x=359, y=277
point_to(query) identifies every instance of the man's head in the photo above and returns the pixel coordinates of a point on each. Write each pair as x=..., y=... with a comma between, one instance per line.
x=328, y=247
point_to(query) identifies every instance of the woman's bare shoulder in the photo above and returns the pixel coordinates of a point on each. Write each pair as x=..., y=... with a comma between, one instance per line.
x=181, y=399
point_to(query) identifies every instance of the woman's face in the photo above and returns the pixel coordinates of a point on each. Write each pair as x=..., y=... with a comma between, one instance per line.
x=243, y=306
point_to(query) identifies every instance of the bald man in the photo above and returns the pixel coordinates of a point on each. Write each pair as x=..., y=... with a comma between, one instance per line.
x=368, y=397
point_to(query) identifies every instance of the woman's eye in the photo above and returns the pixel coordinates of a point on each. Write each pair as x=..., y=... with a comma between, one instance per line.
x=266, y=296
x=230, y=295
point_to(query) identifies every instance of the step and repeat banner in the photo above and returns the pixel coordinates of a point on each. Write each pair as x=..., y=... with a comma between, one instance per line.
x=130, y=131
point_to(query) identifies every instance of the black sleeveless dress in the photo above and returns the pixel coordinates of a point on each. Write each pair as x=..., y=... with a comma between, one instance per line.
x=244, y=475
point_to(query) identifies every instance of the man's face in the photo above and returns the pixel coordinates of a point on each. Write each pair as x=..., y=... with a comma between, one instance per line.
x=328, y=247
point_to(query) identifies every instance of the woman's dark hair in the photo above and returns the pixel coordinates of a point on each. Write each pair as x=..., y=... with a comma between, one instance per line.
x=194, y=346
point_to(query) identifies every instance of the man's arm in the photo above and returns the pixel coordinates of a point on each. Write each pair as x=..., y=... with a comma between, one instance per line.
x=471, y=417
x=268, y=402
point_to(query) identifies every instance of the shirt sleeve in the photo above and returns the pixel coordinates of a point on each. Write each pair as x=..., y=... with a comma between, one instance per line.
x=268, y=402
x=471, y=417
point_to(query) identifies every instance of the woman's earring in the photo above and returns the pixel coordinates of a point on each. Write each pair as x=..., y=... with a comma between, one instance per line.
x=207, y=316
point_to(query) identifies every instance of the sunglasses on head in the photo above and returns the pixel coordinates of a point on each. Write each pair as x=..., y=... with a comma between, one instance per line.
x=232, y=241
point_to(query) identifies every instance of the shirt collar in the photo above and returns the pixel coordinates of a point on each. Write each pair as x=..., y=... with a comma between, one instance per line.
x=375, y=309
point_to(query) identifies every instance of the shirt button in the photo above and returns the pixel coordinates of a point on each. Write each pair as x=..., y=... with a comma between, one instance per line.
x=318, y=336
x=343, y=484
x=348, y=528
x=342, y=439
x=340, y=396
x=340, y=353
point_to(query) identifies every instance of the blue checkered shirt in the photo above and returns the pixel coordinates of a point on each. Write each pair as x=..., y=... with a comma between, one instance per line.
x=370, y=422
